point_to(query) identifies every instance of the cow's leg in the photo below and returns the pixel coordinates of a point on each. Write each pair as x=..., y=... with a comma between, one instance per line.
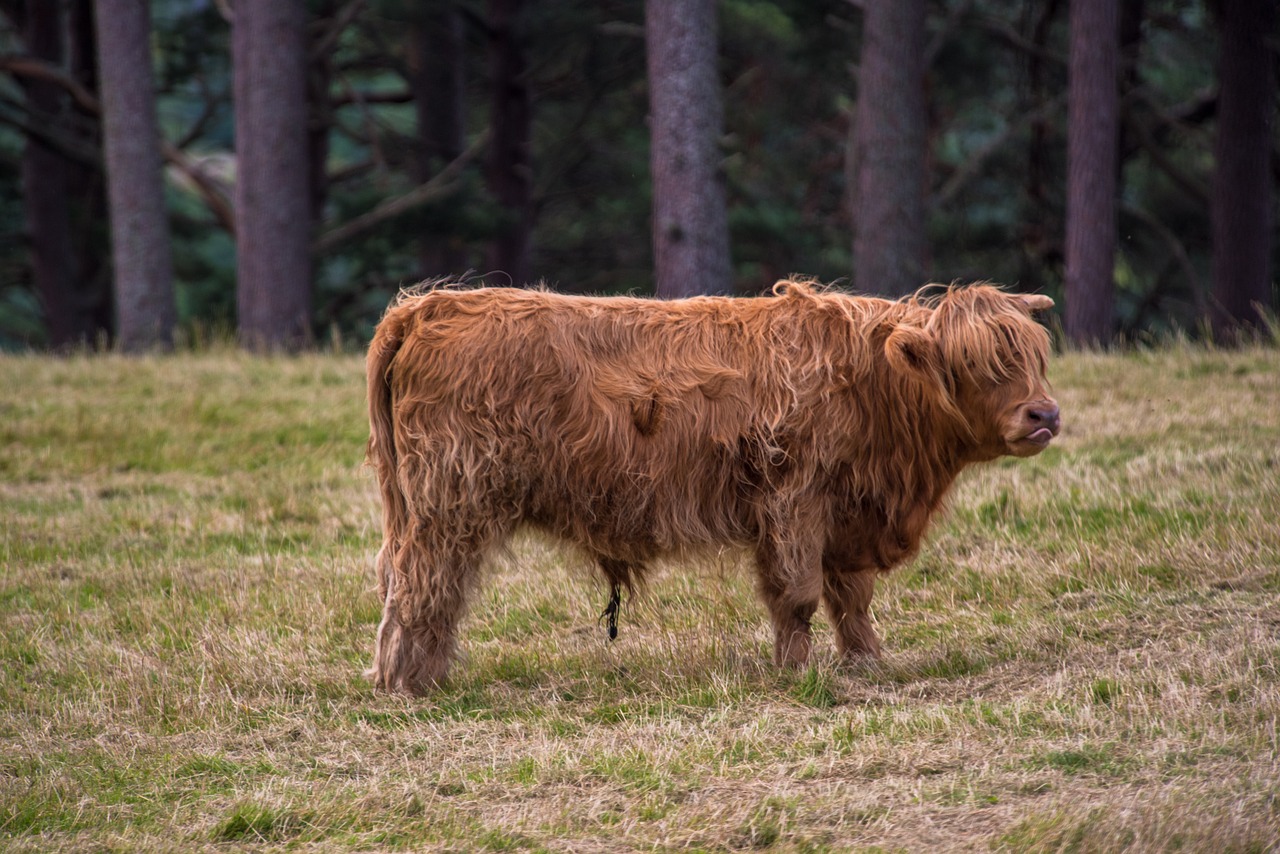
x=790, y=615
x=388, y=632
x=790, y=574
x=847, y=596
x=424, y=602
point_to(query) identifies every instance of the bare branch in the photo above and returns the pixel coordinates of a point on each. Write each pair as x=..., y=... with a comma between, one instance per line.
x=622, y=28
x=1202, y=106
x=208, y=187
x=37, y=126
x=337, y=24
x=1186, y=117
x=1013, y=38
x=351, y=171
x=226, y=11
x=967, y=170
x=28, y=66
x=173, y=155
x=441, y=185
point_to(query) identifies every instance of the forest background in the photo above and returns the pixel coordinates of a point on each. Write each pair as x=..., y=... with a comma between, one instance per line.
x=1119, y=155
x=1083, y=657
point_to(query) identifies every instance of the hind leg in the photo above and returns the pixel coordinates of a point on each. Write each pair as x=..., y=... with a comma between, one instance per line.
x=423, y=603
x=847, y=596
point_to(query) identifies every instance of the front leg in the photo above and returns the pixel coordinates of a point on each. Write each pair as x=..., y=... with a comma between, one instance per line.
x=790, y=612
x=789, y=562
x=847, y=595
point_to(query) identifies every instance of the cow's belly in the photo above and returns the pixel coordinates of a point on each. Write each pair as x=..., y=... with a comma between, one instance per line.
x=640, y=519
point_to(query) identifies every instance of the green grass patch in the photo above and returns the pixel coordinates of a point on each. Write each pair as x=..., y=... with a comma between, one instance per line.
x=1081, y=658
x=254, y=822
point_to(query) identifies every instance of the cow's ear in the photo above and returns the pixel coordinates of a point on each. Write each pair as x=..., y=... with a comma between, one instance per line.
x=1035, y=302
x=913, y=352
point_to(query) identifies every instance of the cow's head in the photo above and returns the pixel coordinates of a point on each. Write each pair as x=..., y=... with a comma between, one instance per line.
x=984, y=357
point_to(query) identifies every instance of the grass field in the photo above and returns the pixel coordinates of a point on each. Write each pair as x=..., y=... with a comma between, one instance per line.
x=1084, y=656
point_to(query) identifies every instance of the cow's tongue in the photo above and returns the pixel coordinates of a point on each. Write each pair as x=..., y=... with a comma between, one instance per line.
x=1041, y=436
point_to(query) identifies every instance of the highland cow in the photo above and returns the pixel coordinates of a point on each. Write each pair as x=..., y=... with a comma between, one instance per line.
x=819, y=430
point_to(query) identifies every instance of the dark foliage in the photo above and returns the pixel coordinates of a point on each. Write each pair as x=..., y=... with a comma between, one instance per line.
x=995, y=176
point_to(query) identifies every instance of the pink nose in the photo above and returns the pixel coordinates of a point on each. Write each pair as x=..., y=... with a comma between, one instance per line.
x=1044, y=415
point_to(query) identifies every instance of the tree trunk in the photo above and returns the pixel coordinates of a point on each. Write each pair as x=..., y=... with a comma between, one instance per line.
x=44, y=186
x=63, y=203
x=1241, y=206
x=1041, y=231
x=891, y=129
x=320, y=118
x=273, y=189
x=91, y=279
x=509, y=169
x=690, y=225
x=436, y=80
x=140, y=251
x=1093, y=111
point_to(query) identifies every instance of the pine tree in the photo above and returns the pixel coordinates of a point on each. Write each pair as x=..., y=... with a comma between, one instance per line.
x=1093, y=111
x=273, y=187
x=140, y=251
x=890, y=149
x=1241, y=206
x=690, y=226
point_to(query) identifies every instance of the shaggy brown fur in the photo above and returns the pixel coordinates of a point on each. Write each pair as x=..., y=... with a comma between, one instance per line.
x=820, y=430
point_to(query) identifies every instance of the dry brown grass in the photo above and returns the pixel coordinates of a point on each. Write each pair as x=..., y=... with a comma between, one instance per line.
x=1083, y=658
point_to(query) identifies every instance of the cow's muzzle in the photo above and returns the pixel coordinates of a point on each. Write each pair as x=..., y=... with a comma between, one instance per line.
x=1041, y=421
